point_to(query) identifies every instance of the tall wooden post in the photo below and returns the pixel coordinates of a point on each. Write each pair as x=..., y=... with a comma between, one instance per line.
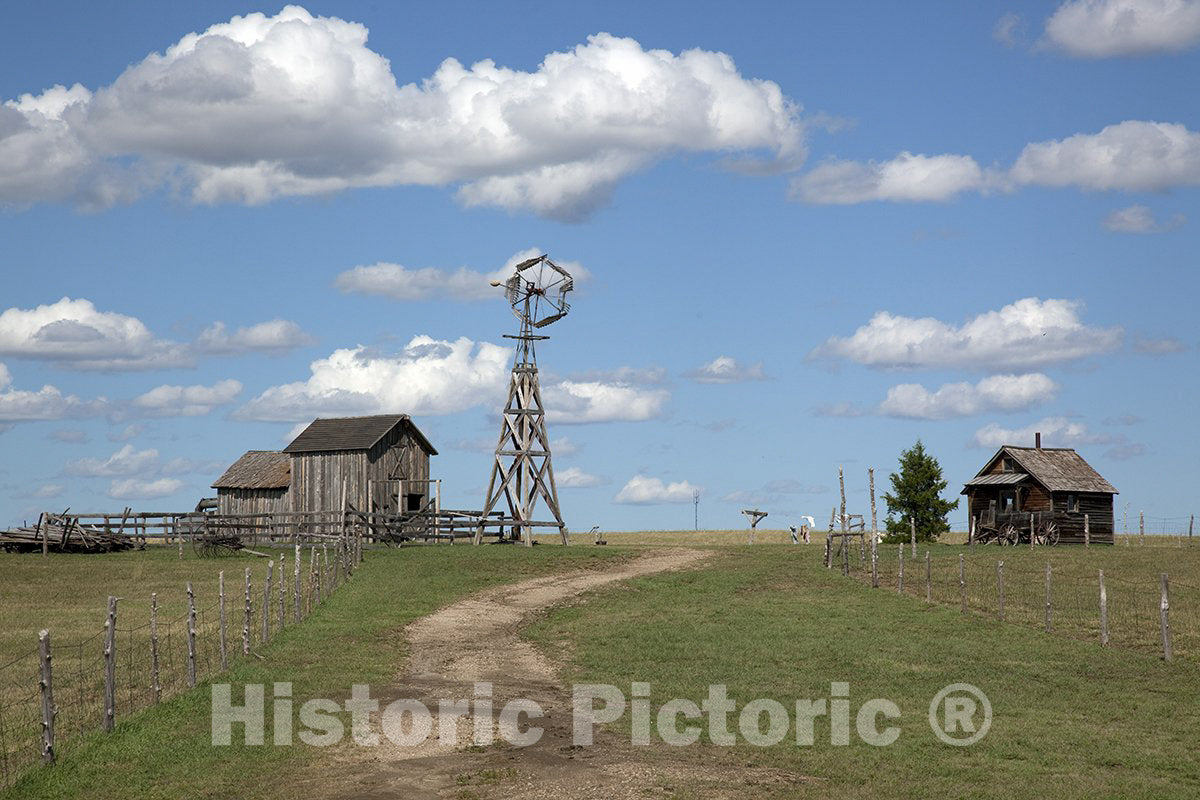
x=110, y=665
x=874, y=523
x=874, y=565
x=191, y=636
x=296, y=609
x=900, y=578
x=246, y=618
x=266, y=606
x=842, y=489
x=1191, y=524
x=155, y=683
x=1032, y=537
x=971, y=533
x=45, y=533
x=1164, y=607
x=828, y=551
x=1087, y=533
x=912, y=536
x=1141, y=527
x=46, y=685
x=282, y=590
x=1103, y=612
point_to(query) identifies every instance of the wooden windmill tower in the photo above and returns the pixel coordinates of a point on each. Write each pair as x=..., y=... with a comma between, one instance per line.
x=522, y=473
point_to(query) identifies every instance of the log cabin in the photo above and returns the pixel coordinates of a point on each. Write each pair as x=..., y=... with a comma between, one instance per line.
x=377, y=463
x=1044, y=480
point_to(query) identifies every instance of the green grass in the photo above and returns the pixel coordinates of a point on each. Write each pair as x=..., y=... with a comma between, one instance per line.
x=1072, y=719
x=353, y=637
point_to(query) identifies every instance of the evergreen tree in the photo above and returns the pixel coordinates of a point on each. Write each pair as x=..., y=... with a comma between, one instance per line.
x=917, y=494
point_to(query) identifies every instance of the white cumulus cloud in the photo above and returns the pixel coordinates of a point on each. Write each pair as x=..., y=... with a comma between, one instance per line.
x=126, y=461
x=574, y=402
x=427, y=377
x=139, y=489
x=576, y=478
x=262, y=106
x=187, y=401
x=906, y=178
x=47, y=403
x=1026, y=334
x=1140, y=219
x=273, y=336
x=1106, y=28
x=726, y=369
x=642, y=490
x=994, y=393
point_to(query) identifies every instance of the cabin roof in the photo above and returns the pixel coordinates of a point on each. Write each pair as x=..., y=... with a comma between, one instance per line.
x=1059, y=469
x=353, y=433
x=257, y=469
x=999, y=479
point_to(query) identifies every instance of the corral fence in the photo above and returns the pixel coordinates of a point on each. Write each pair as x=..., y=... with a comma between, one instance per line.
x=1150, y=614
x=58, y=689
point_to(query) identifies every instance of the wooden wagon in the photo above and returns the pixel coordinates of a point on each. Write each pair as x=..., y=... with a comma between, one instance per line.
x=1017, y=528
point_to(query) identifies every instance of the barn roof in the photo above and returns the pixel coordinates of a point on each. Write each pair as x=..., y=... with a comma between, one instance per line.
x=257, y=469
x=1059, y=469
x=353, y=433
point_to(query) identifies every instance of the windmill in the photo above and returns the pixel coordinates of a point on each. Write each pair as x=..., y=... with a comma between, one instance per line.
x=522, y=472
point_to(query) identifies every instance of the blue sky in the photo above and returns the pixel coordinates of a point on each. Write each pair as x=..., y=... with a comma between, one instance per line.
x=806, y=235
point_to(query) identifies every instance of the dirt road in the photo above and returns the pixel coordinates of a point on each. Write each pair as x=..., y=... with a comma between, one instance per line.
x=477, y=640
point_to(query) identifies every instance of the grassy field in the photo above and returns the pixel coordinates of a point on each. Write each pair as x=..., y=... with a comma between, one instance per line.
x=165, y=752
x=1072, y=719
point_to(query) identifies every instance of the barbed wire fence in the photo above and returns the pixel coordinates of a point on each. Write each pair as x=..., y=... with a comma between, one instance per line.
x=59, y=689
x=1013, y=585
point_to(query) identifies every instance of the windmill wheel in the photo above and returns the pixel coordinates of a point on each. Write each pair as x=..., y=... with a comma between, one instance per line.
x=1009, y=534
x=537, y=291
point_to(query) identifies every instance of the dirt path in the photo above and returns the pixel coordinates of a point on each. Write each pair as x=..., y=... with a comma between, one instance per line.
x=478, y=640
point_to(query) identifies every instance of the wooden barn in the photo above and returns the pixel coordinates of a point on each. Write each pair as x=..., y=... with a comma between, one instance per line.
x=381, y=463
x=1044, y=480
x=257, y=483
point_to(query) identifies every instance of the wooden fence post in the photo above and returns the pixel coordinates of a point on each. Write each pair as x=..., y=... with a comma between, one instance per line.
x=845, y=555
x=46, y=684
x=971, y=533
x=45, y=535
x=191, y=636
x=1163, y=613
x=912, y=525
x=1141, y=527
x=314, y=579
x=296, y=596
x=1049, y=611
x=1087, y=532
x=1103, y=612
x=110, y=665
x=1191, y=524
x=1000, y=589
x=962, y=581
x=246, y=618
x=828, y=559
x=900, y=579
x=874, y=564
x=266, y=606
x=222, y=635
x=155, y=684
x=1031, y=536
x=282, y=590
x=928, y=579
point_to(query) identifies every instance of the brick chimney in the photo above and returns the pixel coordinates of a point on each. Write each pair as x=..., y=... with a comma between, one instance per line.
x=1037, y=440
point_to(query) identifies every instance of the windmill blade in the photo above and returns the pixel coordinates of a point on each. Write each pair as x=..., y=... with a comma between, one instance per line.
x=552, y=318
x=526, y=264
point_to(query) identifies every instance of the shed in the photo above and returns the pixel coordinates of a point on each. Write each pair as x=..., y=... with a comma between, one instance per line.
x=1048, y=480
x=257, y=483
x=381, y=463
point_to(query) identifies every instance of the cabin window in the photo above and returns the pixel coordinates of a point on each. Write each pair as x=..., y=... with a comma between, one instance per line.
x=1008, y=501
x=1073, y=503
x=1006, y=465
x=413, y=502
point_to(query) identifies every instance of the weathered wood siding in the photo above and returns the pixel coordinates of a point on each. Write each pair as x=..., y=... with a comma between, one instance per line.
x=1034, y=498
x=252, y=501
x=317, y=477
x=1098, y=507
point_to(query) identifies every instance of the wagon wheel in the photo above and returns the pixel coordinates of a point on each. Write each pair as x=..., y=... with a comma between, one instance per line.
x=1009, y=534
x=1048, y=533
x=200, y=546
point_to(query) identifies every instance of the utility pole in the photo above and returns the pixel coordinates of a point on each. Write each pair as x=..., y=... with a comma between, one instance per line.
x=696, y=507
